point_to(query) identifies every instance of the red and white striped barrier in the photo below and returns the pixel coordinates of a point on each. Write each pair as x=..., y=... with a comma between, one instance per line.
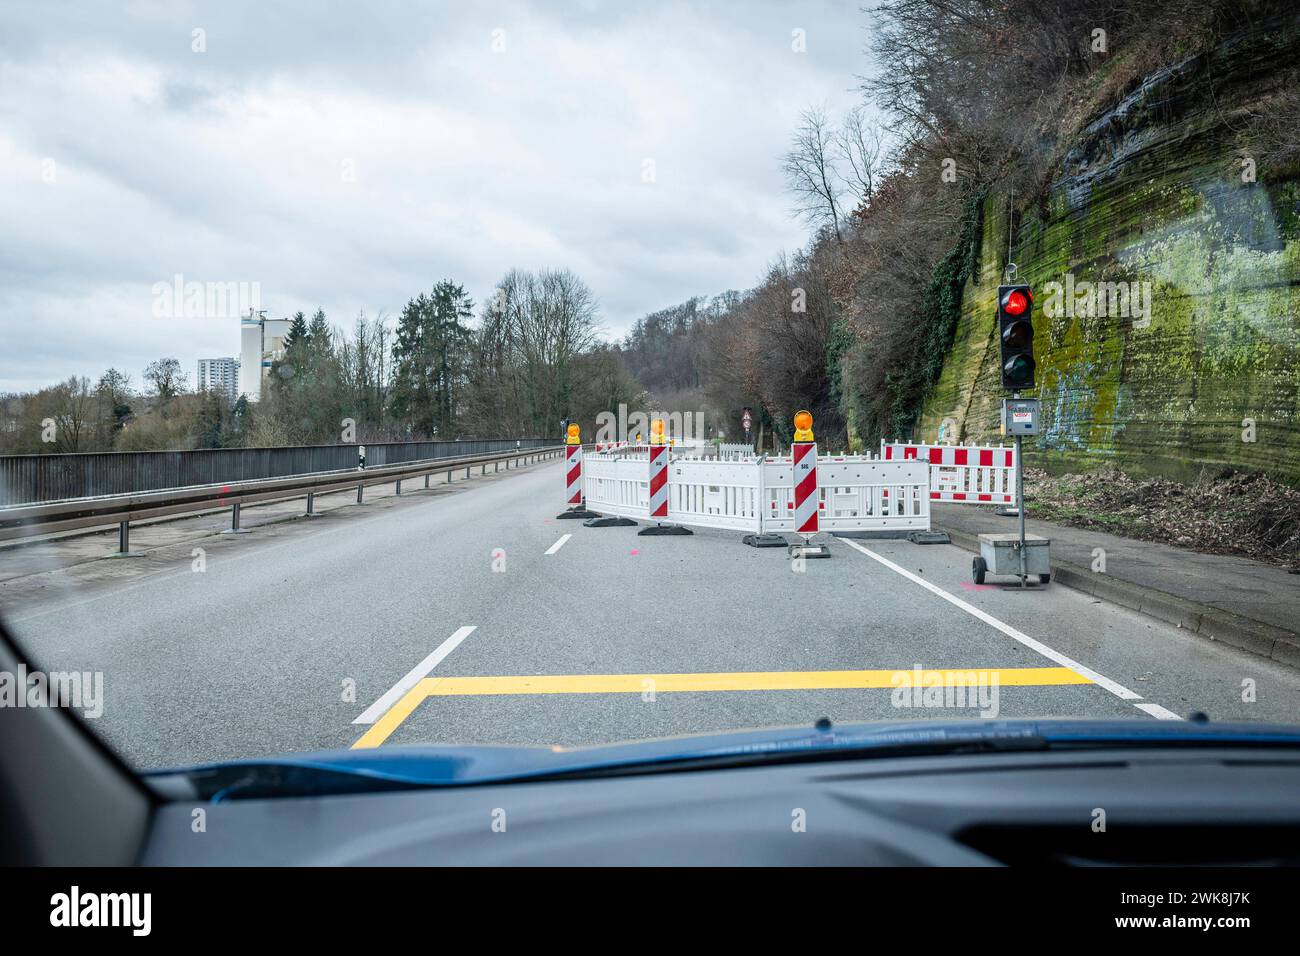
x=975, y=474
x=801, y=494
x=659, y=482
x=858, y=493
x=807, y=499
x=573, y=475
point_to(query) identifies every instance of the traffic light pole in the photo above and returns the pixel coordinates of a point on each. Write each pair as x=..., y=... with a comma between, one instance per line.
x=1020, y=509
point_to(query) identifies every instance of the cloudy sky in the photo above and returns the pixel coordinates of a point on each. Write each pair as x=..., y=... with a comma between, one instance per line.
x=349, y=155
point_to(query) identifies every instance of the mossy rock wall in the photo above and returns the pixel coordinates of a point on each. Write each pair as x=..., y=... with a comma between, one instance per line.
x=1154, y=193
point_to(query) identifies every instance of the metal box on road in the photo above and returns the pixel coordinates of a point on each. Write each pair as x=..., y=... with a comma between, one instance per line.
x=1000, y=554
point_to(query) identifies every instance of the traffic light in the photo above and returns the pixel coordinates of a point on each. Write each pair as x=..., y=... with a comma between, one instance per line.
x=1016, y=335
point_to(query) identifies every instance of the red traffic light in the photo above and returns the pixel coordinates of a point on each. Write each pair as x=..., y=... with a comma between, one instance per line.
x=1015, y=303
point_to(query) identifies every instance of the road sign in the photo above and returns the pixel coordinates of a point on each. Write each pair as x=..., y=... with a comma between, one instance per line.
x=746, y=419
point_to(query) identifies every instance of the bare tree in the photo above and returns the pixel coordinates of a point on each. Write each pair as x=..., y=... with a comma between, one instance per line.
x=365, y=372
x=832, y=170
x=810, y=172
x=532, y=332
x=73, y=414
x=165, y=379
x=859, y=144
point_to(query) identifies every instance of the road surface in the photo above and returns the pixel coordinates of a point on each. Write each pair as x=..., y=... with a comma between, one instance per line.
x=471, y=615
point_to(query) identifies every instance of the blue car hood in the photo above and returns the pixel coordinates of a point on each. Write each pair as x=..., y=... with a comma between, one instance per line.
x=430, y=765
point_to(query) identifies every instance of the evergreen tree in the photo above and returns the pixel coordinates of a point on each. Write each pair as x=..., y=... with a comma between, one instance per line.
x=429, y=356
x=318, y=335
x=305, y=394
x=298, y=332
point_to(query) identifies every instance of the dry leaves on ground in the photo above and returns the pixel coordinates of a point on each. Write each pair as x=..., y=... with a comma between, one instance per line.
x=1223, y=513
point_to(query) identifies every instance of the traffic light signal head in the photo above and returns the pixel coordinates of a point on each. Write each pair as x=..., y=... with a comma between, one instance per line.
x=1016, y=335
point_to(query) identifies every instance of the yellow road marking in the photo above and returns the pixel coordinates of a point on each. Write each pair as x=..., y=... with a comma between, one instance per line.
x=756, y=680
x=688, y=683
x=385, y=725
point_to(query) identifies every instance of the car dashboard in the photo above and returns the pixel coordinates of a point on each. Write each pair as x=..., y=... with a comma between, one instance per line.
x=1140, y=806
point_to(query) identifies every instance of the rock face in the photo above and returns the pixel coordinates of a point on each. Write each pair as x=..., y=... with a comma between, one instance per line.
x=1166, y=283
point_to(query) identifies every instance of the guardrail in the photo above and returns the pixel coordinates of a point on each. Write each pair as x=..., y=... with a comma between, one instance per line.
x=31, y=479
x=28, y=520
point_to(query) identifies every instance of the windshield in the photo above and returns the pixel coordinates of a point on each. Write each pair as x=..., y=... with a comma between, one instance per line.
x=564, y=377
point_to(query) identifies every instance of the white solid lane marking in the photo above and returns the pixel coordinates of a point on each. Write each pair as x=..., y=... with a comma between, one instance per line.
x=1119, y=690
x=1155, y=710
x=559, y=544
x=413, y=677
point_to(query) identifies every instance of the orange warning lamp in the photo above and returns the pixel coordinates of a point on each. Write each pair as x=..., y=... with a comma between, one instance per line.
x=657, y=432
x=573, y=434
x=803, y=426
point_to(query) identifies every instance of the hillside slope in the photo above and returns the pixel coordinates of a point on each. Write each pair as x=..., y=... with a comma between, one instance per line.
x=1152, y=192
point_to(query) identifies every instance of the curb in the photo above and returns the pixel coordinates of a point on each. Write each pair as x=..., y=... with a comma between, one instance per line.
x=1209, y=623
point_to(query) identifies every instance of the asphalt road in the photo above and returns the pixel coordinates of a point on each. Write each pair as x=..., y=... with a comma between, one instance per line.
x=471, y=615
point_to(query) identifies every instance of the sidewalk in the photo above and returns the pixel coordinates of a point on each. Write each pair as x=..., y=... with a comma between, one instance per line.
x=1236, y=600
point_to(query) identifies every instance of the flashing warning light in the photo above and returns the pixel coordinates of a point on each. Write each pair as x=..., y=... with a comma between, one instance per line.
x=657, y=432
x=574, y=431
x=803, y=426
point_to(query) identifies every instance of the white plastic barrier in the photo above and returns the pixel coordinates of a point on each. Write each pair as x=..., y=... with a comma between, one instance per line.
x=617, y=484
x=715, y=494
x=733, y=450
x=856, y=493
x=976, y=474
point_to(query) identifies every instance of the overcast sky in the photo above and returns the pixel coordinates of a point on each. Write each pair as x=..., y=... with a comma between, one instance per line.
x=347, y=156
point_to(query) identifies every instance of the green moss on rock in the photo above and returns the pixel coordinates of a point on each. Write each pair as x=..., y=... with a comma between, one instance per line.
x=1176, y=389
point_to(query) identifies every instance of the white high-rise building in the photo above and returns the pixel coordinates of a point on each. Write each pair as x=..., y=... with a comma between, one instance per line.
x=261, y=342
x=219, y=375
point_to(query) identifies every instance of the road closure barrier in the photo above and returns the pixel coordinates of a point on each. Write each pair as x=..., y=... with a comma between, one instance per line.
x=573, y=484
x=807, y=496
x=573, y=475
x=734, y=450
x=758, y=495
x=975, y=474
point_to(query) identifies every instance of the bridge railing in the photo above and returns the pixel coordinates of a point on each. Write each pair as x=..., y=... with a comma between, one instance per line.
x=84, y=514
x=33, y=479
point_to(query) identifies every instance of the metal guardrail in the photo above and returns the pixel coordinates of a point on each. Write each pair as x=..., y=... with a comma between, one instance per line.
x=24, y=521
x=30, y=479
